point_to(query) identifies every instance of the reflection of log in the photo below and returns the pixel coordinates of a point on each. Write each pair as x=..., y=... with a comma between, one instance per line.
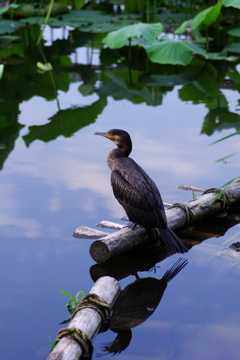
x=88, y=320
x=178, y=217
x=130, y=263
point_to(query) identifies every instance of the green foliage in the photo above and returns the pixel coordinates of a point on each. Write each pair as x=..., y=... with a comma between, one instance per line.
x=173, y=51
x=9, y=8
x=73, y=299
x=234, y=32
x=207, y=16
x=9, y=26
x=119, y=38
x=52, y=343
x=1, y=70
x=234, y=3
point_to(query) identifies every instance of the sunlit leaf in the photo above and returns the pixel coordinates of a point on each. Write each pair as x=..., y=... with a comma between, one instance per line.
x=207, y=16
x=1, y=70
x=119, y=38
x=234, y=3
x=182, y=28
x=173, y=51
x=66, y=293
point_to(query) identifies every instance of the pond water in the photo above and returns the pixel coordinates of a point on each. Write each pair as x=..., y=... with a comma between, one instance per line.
x=58, y=183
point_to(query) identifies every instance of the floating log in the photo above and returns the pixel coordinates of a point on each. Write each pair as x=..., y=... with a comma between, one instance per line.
x=87, y=320
x=145, y=258
x=178, y=216
x=85, y=232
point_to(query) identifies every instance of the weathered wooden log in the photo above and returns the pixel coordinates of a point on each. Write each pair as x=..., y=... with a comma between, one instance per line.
x=87, y=320
x=178, y=216
x=85, y=232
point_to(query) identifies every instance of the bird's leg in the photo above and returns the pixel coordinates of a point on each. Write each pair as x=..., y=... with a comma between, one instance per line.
x=131, y=225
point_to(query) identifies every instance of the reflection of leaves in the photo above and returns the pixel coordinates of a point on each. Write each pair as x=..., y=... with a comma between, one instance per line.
x=8, y=135
x=204, y=89
x=219, y=119
x=170, y=80
x=65, y=122
x=125, y=85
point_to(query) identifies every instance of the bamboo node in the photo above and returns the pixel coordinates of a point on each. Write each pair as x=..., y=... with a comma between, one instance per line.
x=188, y=212
x=223, y=198
x=93, y=301
x=80, y=337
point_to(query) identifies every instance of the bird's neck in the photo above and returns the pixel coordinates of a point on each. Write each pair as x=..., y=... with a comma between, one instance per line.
x=116, y=154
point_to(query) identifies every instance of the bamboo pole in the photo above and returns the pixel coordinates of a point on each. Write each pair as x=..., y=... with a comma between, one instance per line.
x=88, y=320
x=179, y=216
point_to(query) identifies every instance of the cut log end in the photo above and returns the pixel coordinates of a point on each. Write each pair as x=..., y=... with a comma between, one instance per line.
x=99, y=251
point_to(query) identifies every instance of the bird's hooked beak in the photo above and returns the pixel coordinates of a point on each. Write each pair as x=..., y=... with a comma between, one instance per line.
x=106, y=135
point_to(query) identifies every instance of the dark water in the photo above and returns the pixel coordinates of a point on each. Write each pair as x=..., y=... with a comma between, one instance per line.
x=62, y=181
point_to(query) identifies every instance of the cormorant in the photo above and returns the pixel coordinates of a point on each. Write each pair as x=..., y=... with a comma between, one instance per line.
x=136, y=191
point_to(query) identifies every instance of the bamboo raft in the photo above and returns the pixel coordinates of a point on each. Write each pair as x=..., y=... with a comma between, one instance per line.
x=179, y=216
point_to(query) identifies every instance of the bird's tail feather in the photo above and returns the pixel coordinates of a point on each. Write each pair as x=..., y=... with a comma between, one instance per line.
x=175, y=269
x=171, y=241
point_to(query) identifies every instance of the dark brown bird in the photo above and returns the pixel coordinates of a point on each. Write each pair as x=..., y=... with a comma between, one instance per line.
x=136, y=191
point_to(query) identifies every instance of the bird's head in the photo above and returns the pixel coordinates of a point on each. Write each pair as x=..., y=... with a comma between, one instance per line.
x=120, y=137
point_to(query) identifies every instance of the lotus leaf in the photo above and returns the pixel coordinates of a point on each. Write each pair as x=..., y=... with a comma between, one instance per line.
x=234, y=32
x=9, y=26
x=173, y=51
x=119, y=38
x=234, y=47
x=6, y=8
x=234, y=3
x=207, y=16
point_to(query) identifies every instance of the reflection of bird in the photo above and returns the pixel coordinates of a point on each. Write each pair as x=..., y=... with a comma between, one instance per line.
x=135, y=304
x=136, y=191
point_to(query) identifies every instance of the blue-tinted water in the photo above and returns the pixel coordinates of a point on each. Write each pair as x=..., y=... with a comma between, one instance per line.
x=49, y=189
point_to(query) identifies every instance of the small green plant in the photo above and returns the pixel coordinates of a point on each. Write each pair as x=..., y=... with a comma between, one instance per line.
x=73, y=299
x=52, y=343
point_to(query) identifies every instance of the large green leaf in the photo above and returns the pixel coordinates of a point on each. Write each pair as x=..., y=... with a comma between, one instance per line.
x=117, y=39
x=6, y=8
x=234, y=3
x=66, y=122
x=9, y=26
x=172, y=51
x=183, y=27
x=207, y=16
x=234, y=32
x=233, y=47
